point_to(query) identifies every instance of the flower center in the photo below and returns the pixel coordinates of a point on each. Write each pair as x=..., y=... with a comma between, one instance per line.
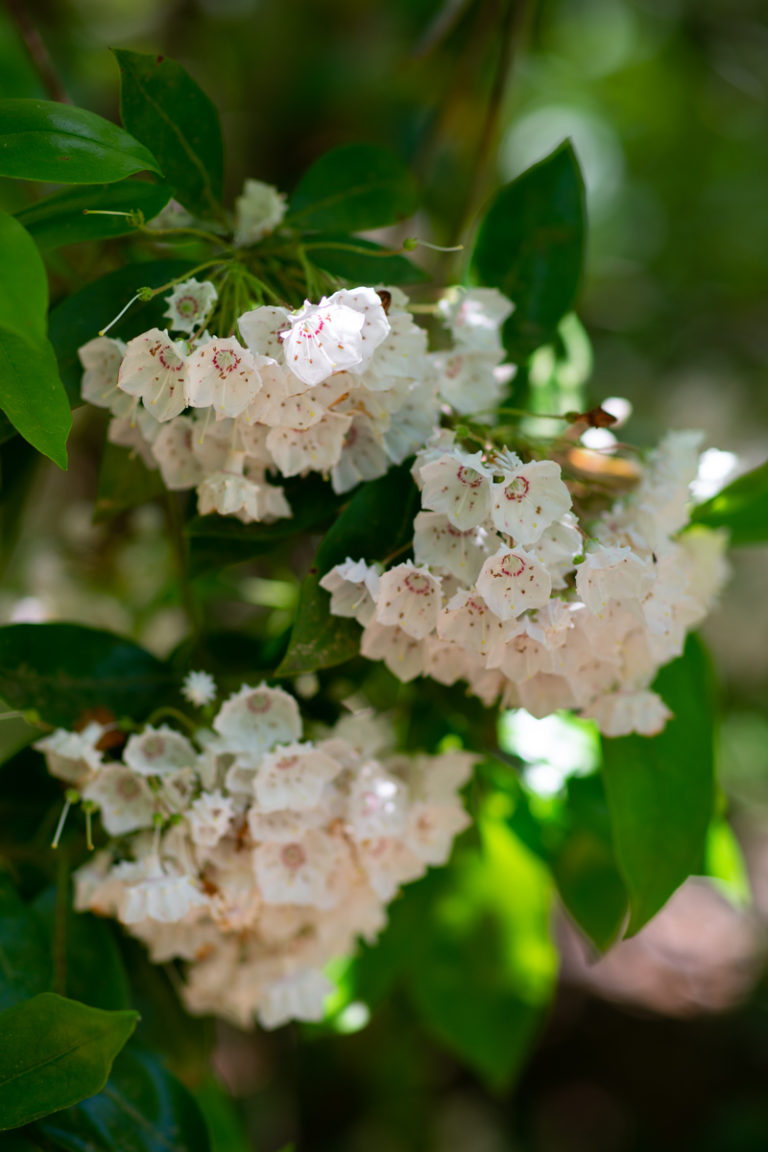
x=225, y=361
x=517, y=489
x=259, y=703
x=293, y=856
x=417, y=582
x=512, y=565
x=468, y=477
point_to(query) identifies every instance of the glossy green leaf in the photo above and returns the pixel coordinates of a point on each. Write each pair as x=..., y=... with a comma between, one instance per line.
x=65, y=217
x=79, y=317
x=124, y=482
x=377, y=521
x=61, y=670
x=362, y=262
x=89, y=966
x=24, y=283
x=488, y=965
x=59, y=144
x=55, y=1052
x=741, y=507
x=353, y=188
x=163, y=107
x=531, y=247
x=660, y=790
x=32, y=395
x=143, y=1108
x=25, y=960
x=584, y=865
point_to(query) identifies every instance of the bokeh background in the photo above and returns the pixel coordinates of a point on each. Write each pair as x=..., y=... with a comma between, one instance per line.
x=663, y=1044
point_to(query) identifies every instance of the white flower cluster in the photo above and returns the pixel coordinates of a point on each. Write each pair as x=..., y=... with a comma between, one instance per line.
x=254, y=856
x=343, y=387
x=508, y=592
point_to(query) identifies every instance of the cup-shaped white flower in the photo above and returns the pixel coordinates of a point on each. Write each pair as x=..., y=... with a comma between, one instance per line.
x=529, y=500
x=73, y=756
x=293, y=776
x=189, y=305
x=458, y=484
x=314, y=449
x=469, y=622
x=209, y=818
x=513, y=581
x=410, y=598
x=254, y=720
x=125, y=800
x=223, y=375
x=258, y=211
x=101, y=359
x=323, y=338
x=303, y=872
x=440, y=544
x=401, y=653
x=475, y=317
x=173, y=449
x=158, y=752
x=354, y=586
x=155, y=369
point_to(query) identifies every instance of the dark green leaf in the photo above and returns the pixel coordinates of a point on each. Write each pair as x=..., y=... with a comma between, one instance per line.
x=216, y=541
x=488, y=965
x=741, y=507
x=162, y=106
x=89, y=966
x=584, y=865
x=660, y=790
x=25, y=961
x=80, y=317
x=55, y=1052
x=44, y=140
x=24, y=284
x=530, y=246
x=342, y=256
x=226, y=1129
x=32, y=395
x=353, y=188
x=60, y=670
x=124, y=481
x=377, y=521
x=142, y=1109
x=62, y=218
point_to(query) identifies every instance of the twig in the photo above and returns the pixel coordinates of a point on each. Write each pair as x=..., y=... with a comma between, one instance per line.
x=37, y=52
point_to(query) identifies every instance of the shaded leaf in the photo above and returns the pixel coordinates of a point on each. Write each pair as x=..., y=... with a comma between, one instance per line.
x=62, y=219
x=143, y=1108
x=60, y=670
x=90, y=964
x=124, y=482
x=45, y=140
x=660, y=790
x=162, y=106
x=741, y=507
x=32, y=395
x=342, y=256
x=79, y=318
x=353, y=188
x=24, y=283
x=25, y=961
x=55, y=1052
x=377, y=521
x=531, y=247
x=488, y=966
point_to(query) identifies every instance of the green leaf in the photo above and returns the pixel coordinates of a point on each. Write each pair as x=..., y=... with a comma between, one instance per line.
x=62, y=218
x=342, y=256
x=162, y=106
x=59, y=144
x=377, y=521
x=32, y=395
x=89, y=966
x=660, y=790
x=80, y=317
x=531, y=247
x=24, y=283
x=142, y=1109
x=487, y=969
x=55, y=1052
x=25, y=962
x=725, y=866
x=353, y=188
x=217, y=541
x=124, y=482
x=584, y=865
x=61, y=670
x=741, y=507
x=224, y=1124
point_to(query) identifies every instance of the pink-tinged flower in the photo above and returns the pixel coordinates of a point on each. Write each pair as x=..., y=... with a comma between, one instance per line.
x=529, y=499
x=223, y=375
x=410, y=598
x=155, y=369
x=458, y=484
x=513, y=581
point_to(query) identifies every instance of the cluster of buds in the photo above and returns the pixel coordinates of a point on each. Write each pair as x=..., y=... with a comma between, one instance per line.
x=253, y=856
x=511, y=593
